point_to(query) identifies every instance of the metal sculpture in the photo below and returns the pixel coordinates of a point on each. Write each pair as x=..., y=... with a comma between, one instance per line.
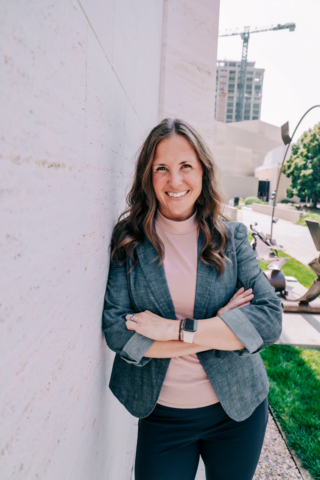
x=287, y=141
x=302, y=304
x=266, y=250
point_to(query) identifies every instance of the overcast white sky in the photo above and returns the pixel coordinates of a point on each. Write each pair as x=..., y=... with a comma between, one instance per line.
x=291, y=59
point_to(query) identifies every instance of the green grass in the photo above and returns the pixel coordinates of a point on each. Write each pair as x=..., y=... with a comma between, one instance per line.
x=308, y=216
x=294, y=376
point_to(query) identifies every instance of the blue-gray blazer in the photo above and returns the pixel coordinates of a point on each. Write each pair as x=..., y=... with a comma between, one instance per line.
x=238, y=377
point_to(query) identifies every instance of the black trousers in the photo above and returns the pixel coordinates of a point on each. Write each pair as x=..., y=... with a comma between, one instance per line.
x=171, y=440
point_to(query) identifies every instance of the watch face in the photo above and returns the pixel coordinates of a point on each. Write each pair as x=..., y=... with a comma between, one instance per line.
x=190, y=325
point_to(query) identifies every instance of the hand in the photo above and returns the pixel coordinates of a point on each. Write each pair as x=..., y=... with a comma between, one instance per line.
x=240, y=299
x=153, y=326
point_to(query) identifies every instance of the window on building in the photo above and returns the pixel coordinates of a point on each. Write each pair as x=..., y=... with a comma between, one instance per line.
x=246, y=117
x=230, y=104
x=229, y=111
x=231, y=88
x=255, y=117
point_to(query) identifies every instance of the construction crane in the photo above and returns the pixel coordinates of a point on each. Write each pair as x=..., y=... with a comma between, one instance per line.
x=243, y=67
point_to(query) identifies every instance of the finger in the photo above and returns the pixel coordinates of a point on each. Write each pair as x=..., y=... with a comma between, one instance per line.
x=246, y=294
x=248, y=297
x=238, y=292
x=129, y=317
x=131, y=325
x=244, y=305
x=240, y=302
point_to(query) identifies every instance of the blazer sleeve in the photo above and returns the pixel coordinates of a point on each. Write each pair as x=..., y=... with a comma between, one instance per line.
x=259, y=324
x=131, y=346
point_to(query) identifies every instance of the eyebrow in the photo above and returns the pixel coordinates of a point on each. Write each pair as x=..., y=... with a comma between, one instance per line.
x=181, y=163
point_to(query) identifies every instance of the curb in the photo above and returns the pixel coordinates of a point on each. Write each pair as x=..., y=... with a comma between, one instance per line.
x=305, y=475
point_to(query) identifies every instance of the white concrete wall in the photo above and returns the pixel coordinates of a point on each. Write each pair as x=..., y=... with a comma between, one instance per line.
x=240, y=147
x=81, y=89
x=189, y=55
x=280, y=211
x=270, y=171
x=239, y=186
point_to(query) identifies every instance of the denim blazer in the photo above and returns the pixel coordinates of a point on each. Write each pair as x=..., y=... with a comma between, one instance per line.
x=238, y=377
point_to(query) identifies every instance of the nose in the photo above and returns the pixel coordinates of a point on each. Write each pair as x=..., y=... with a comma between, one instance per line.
x=175, y=179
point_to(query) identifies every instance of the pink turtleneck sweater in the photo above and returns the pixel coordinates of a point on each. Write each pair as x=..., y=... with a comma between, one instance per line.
x=186, y=384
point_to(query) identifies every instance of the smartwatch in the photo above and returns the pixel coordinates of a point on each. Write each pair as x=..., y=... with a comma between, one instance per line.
x=189, y=328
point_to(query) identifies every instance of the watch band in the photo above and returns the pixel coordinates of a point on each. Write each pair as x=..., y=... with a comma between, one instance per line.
x=188, y=336
x=189, y=329
x=180, y=329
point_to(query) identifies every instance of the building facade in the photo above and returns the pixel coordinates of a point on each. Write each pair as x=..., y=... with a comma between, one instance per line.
x=227, y=78
x=90, y=79
x=239, y=149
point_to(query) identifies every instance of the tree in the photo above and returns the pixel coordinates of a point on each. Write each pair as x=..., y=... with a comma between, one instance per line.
x=303, y=166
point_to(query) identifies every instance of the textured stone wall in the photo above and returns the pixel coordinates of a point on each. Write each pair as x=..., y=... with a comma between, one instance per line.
x=189, y=56
x=81, y=89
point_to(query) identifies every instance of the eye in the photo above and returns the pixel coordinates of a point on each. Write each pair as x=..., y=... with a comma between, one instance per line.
x=186, y=165
x=158, y=169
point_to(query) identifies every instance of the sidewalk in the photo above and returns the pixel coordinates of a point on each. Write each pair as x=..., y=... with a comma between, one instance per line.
x=296, y=240
x=300, y=329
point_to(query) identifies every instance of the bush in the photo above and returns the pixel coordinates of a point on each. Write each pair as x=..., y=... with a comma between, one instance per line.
x=286, y=200
x=250, y=200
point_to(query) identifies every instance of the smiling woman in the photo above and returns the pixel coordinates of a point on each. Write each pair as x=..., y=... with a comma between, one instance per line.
x=183, y=158
x=187, y=309
x=176, y=178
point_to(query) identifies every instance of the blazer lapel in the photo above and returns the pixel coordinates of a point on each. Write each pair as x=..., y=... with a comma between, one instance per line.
x=156, y=278
x=206, y=275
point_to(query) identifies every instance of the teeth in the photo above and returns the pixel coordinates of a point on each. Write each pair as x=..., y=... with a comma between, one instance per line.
x=177, y=195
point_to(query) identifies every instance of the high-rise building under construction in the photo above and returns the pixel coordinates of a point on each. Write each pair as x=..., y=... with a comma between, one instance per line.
x=227, y=92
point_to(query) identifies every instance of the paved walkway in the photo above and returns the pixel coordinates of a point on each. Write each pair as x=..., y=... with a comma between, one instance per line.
x=296, y=240
x=300, y=329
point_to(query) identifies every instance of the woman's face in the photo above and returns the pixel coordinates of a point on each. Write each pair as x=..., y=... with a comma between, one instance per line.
x=176, y=177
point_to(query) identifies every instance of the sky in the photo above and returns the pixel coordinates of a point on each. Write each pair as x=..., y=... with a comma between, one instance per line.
x=291, y=59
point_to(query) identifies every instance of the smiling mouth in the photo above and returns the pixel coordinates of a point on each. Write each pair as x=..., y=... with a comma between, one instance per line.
x=177, y=195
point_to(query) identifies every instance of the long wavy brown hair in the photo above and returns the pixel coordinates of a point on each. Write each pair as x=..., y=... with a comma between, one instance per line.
x=136, y=221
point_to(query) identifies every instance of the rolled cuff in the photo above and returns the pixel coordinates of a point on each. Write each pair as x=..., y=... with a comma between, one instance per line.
x=244, y=330
x=135, y=348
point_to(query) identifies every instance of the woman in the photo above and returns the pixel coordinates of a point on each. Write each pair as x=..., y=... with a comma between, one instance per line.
x=187, y=311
